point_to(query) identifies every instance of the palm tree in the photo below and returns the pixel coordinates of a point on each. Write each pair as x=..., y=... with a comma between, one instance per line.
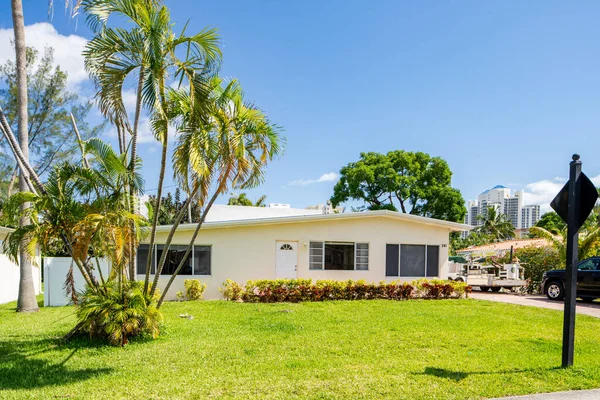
x=589, y=241
x=26, y=301
x=243, y=200
x=151, y=48
x=496, y=224
x=228, y=148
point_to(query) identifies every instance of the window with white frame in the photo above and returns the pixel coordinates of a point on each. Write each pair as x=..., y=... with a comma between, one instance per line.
x=344, y=256
x=198, y=262
x=412, y=260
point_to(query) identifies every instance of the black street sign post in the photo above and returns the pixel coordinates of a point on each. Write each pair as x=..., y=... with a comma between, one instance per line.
x=573, y=204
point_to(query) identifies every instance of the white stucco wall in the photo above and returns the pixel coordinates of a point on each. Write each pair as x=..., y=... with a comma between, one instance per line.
x=249, y=252
x=9, y=279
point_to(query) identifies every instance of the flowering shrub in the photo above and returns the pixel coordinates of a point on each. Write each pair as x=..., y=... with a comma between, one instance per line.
x=297, y=290
x=194, y=289
x=440, y=289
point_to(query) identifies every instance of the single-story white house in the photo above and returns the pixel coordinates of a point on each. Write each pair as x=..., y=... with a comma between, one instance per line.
x=10, y=273
x=242, y=243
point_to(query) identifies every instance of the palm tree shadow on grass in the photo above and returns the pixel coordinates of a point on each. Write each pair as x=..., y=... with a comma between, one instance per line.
x=460, y=375
x=21, y=368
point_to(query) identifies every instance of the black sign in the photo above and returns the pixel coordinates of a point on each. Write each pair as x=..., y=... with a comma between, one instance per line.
x=588, y=198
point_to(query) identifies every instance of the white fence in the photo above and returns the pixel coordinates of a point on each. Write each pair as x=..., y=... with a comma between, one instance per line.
x=9, y=279
x=55, y=274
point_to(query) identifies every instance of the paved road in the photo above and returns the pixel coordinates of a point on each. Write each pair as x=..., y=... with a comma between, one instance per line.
x=572, y=395
x=537, y=301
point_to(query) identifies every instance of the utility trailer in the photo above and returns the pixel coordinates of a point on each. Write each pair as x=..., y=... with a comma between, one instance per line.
x=488, y=275
x=492, y=276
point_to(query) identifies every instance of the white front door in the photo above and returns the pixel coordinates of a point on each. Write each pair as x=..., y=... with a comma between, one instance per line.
x=287, y=260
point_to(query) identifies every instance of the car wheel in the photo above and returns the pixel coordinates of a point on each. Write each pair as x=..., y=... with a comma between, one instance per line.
x=459, y=280
x=588, y=299
x=555, y=291
x=496, y=289
x=484, y=288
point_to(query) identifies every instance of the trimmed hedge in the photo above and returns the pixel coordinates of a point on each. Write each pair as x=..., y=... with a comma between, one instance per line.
x=297, y=290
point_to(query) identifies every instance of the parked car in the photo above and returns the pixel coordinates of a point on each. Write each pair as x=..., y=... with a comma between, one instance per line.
x=588, y=281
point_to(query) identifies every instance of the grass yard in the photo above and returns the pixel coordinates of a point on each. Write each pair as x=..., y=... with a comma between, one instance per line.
x=447, y=349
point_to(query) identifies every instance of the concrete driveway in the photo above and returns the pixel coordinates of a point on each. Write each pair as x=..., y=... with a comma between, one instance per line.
x=591, y=309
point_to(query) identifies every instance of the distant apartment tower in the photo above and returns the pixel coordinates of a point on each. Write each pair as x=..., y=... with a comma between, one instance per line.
x=499, y=198
x=529, y=216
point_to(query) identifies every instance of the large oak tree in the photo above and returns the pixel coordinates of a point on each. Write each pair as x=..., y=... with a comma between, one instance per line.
x=409, y=182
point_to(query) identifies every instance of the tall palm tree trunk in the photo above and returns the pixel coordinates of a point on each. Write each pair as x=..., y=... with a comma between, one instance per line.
x=161, y=178
x=136, y=123
x=26, y=301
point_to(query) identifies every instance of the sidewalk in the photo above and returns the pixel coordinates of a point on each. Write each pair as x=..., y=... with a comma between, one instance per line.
x=571, y=395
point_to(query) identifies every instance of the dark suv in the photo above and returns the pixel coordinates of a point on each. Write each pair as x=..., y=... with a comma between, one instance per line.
x=588, y=281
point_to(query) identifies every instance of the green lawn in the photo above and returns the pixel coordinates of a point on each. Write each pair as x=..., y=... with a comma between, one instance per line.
x=448, y=349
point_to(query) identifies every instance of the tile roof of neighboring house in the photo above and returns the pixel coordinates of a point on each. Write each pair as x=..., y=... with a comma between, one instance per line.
x=504, y=246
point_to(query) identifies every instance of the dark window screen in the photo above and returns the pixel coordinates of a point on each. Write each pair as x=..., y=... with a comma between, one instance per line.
x=201, y=260
x=433, y=260
x=174, y=257
x=339, y=256
x=412, y=260
x=391, y=259
x=142, y=258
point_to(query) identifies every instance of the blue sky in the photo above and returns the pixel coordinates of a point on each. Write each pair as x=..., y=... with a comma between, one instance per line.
x=504, y=91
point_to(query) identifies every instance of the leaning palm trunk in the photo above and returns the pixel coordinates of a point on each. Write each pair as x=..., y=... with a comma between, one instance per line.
x=163, y=258
x=26, y=301
x=161, y=178
x=189, y=248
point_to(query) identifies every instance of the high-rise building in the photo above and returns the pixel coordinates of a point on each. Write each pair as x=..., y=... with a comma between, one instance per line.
x=530, y=215
x=499, y=197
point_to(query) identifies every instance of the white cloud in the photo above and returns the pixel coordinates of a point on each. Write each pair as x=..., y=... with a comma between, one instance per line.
x=328, y=177
x=67, y=49
x=544, y=191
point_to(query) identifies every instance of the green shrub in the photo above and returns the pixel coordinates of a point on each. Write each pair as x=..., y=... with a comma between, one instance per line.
x=232, y=290
x=536, y=261
x=297, y=290
x=116, y=315
x=194, y=289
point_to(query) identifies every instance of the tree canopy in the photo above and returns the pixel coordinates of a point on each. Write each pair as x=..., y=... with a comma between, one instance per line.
x=551, y=222
x=409, y=182
x=496, y=225
x=50, y=105
x=243, y=200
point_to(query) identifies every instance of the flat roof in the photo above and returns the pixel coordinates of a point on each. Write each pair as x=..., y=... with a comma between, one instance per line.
x=451, y=226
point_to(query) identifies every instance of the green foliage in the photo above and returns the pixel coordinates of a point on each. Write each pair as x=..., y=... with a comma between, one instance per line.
x=170, y=206
x=496, y=225
x=298, y=290
x=243, y=200
x=589, y=241
x=51, y=138
x=551, y=222
x=232, y=290
x=536, y=261
x=194, y=289
x=117, y=313
x=411, y=182
x=473, y=239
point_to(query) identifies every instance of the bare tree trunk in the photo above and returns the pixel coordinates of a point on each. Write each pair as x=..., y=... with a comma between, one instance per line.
x=26, y=301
